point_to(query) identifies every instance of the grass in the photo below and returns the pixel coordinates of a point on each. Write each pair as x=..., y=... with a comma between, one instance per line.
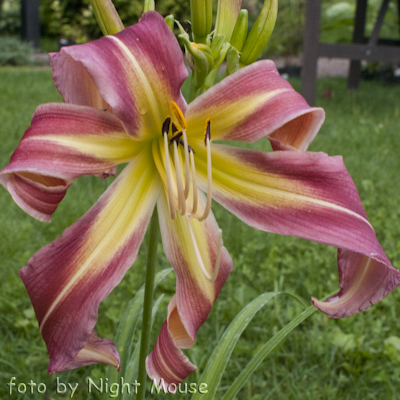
x=354, y=358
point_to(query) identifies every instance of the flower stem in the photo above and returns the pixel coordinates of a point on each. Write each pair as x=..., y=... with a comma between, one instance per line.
x=148, y=302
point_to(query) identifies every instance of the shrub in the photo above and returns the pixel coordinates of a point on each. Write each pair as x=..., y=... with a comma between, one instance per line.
x=14, y=52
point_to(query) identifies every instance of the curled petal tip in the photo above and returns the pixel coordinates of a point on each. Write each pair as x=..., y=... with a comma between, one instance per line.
x=167, y=363
x=364, y=281
x=96, y=350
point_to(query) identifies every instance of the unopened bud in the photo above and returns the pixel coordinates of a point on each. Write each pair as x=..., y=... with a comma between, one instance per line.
x=170, y=20
x=227, y=13
x=149, y=5
x=107, y=16
x=216, y=46
x=202, y=59
x=201, y=17
x=232, y=61
x=260, y=33
x=239, y=34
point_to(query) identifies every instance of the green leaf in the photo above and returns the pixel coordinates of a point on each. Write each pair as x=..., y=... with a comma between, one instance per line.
x=127, y=327
x=217, y=363
x=132, y=369
x=265, y=350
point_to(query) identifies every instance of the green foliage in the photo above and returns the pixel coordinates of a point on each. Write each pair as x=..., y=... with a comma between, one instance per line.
x=337, y=21
x=15, y=52
x=10, y=18
x=74, y=19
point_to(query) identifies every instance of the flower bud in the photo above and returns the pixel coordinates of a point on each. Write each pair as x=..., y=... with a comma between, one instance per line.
x=170, y=20
x=227, y=13
x=201, y=17
x=232, y=61
x=149, y=6
x=107, y=16
x=260, y=33
x=239, y=34
x=202, y=59
x=216, y=46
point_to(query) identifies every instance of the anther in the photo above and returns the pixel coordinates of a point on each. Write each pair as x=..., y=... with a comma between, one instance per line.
x=179, y=115
x=165, y=126
x=174, y=128
x=176, y=137
x=207, y=131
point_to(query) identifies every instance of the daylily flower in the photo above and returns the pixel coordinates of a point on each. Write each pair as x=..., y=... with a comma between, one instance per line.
x=125, y=106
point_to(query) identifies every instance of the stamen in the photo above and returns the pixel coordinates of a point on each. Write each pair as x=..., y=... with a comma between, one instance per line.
x=194, y=207
x=165, y=126
x=207, y=131
x=169, y=183
x=174, y=128
x=176, y=137
x=187, y=168
x=209, y=182
x=198, y=255
x=179, y=115
x=179, y=182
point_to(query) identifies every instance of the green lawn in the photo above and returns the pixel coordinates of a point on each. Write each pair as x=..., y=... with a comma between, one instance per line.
x=354, y=358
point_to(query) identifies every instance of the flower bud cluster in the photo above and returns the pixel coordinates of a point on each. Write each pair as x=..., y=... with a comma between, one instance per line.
x=206, y=50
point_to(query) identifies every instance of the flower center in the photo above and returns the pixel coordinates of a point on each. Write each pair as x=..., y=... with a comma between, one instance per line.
x=179, y=172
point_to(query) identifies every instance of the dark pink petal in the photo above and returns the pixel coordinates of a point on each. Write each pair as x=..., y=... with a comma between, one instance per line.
x=64, y=142
x=167, y=364
x=363, y=281
x=195, y=295
x=309, y=195
x=137, y=72
x=67, y=279
x=254, y=103
x=96, y=351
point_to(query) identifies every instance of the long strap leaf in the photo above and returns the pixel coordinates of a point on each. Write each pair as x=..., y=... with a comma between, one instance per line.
x=265, y=350
x=217, y=363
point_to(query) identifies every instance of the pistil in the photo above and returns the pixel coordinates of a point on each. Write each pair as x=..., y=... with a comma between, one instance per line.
x=209, y=277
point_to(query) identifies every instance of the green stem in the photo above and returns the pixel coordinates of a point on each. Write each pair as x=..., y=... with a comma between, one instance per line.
x=193, y=89
x=148, y=302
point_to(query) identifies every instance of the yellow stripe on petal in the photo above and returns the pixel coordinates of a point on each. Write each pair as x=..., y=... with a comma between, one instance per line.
x=227, y=115
x=117, y=148
x=142, y=90
x=127, y=202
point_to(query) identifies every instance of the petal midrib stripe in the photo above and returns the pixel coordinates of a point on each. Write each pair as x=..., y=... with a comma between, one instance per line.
x=142, y=77
x=227, y=180
x=125, y=148
x=83, y=269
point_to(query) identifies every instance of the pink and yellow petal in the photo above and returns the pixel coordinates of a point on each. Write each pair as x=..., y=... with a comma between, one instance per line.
x=309, y=195
x=64, y=142
x=254, y=103
x=195, y=294
x=67, y=279
x=167, y=364
x=363, y=281
x=137, y=72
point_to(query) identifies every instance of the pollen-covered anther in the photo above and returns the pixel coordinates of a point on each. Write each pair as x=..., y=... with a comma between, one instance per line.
x=179, y=115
